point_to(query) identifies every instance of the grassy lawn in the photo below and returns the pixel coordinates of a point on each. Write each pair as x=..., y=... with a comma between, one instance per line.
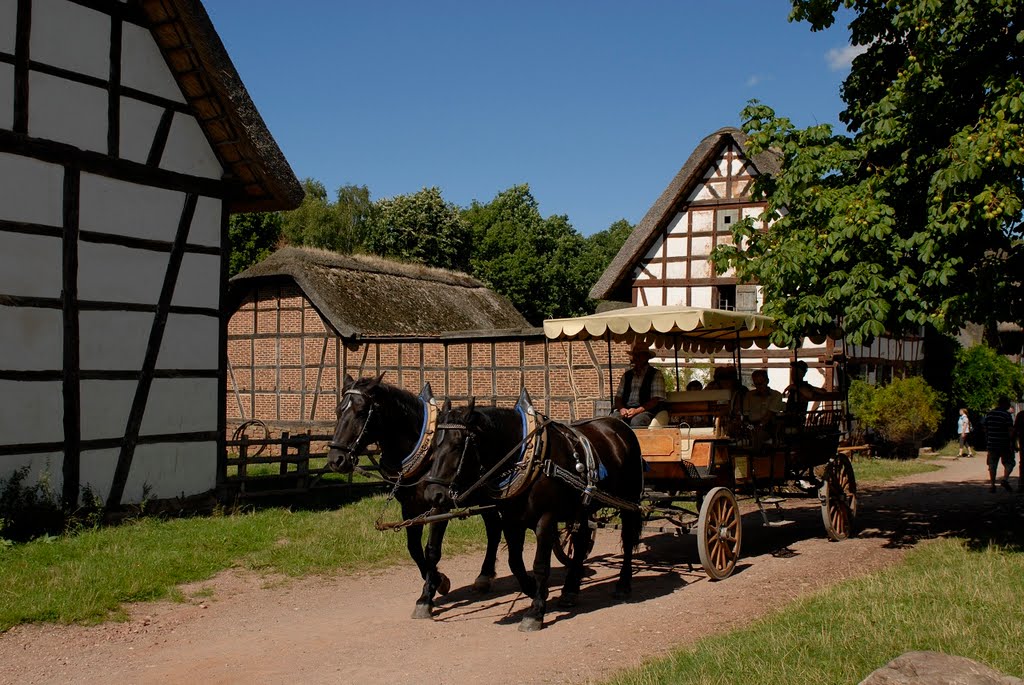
x=85, y=577
x=944, y=597
x=883, y=470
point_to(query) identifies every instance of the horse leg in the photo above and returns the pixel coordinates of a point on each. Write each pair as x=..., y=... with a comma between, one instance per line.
x=631, y=526
x=492, y=522
x=580, y=545
x=515, y=538
x=433, y=581
x=547, y=531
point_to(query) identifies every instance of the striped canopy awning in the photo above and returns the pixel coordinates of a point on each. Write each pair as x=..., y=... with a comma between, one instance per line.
x=689, y=329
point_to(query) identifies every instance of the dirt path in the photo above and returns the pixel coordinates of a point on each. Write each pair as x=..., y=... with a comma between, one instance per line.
x=357, y=629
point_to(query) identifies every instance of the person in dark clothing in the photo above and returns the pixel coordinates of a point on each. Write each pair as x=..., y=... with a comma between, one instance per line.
x=1017, y=440
x=641, y=389
x=998, y=432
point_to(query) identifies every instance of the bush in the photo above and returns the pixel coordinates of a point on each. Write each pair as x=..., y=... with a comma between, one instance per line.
x=981, y=376
x=908, y=410
x=27, y=511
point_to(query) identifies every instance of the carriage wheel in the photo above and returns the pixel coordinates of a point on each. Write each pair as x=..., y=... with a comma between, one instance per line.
x=838, y=497
x=719, y=531
x=563, y=545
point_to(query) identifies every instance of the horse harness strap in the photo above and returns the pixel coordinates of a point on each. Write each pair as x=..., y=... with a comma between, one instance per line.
x=532, y=454
x=588, y=466
x=590, y=492
x=417, y=460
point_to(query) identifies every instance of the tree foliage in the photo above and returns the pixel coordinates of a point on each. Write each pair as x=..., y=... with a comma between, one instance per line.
x=981, y=376
x=340, y=225
x=252, y=237
x=906, y=410
x=914, y=216
x=422, y=228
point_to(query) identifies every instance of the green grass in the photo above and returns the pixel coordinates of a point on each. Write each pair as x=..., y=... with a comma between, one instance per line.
x=85, y=577
x=944, y=597
x=882, y=470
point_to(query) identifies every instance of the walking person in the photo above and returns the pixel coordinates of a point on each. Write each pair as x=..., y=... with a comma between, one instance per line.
x=998, y=432
x=1017, y=440
x=963, y=429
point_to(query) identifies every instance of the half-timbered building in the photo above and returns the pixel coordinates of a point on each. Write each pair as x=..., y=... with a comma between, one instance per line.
x=666, y=260
x=126, y=139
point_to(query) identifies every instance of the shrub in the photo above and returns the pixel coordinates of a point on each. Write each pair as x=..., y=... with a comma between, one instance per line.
x=982, y=375
x=907, y=410
x=27, y=511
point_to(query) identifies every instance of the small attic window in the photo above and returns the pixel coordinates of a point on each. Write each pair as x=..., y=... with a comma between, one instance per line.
x=726, y=218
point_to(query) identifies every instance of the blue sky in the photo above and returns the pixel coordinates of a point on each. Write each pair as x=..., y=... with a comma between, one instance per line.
x=595, y=104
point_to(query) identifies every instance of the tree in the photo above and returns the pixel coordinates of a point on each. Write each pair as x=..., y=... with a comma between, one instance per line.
x=338, y=226
x=981, y=376
x=907, y=410
x=421, y=228
x=533, y=261
x=252, y=237
x=914, y=215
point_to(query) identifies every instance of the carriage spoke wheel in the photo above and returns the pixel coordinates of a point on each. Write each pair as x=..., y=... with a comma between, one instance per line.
x=838, y=497
x=564, y=547
x=719, y=531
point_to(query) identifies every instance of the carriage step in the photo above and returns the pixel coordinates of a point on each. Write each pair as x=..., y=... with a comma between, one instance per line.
x=779, y=524
x=772, y=500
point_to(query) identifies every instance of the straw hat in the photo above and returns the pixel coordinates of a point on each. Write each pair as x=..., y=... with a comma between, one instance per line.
x=641, y=348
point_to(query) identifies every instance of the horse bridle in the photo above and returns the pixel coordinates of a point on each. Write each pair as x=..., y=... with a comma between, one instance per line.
x=352, y=453
x=450, y=484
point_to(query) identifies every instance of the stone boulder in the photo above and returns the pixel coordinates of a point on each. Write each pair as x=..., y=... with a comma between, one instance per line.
x=935, y=668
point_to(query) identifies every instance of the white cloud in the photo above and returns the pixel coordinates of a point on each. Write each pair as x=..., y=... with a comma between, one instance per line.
x=753, y=80
x=841, y=58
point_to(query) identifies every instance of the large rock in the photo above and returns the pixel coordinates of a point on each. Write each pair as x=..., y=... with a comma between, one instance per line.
x=935, y=668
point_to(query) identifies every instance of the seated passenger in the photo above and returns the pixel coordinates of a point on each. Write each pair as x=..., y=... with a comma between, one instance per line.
x=762, y=405
x=694, y=385
x=725, y=378
x=800, y=392
x=641, y=389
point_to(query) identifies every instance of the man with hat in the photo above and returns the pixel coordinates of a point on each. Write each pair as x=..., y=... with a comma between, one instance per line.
x=641, y=389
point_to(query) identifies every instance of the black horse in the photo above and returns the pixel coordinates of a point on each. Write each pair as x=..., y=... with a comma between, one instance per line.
x=373, y=412
x=576, y=470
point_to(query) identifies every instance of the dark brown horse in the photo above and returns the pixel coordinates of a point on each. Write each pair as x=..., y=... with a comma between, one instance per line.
x=578, y=469
x=373, y=412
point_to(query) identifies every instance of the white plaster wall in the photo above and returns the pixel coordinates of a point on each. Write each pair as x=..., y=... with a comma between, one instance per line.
x=676, y=296
x=67, y=112
x=651, y=270
x=113, y=340
x=654, y=250
x=105, y=408
x=31, y=411
x=6, y=96
x=139, y=121
x=143, y=67
x=703, y=220
x=653, y=296
x=120, y=274
x=206, y=223
x=8, y=25
x=700, y=296
x=172, y=470
x=678, y=224
x=198, y=281
x=31, y=339
x=181, y=405
x=190, y=342
x=71, y=37
x=30, y=265
x=46, y=469
x=700, y=245
x=112, y=206
x=96, y=472
x=700, y=193
x=187, y=150
x=675, y=270
x=36, y=194
x=677, y=246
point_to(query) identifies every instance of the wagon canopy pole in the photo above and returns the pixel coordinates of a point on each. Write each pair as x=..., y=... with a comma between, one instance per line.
x=611, y=386
x=675, y=354
x=738, y=357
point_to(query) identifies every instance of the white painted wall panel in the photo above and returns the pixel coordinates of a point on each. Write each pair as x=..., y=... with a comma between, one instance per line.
x=71, y=37
x=139, y=121
x=36, y=195
x=198, y=281
x=654, y=250
x=181, y=405
x=31, y=339
x=675, y=270
x=112, y=206
x=105, y=408
x=700, y=245
x=678, y=224
x=113, y=340
x=190, y=342
x=677, y=246
x=676, y=296
x=96, y=472
x=6, y=95
x=700, y=269
x=31, y=411
x=172, y=470
x=651, y=270
x=206, y=223
x=700, y=193
x=119, y=274
x=30, y=265
x=188, y=151
x=143, y=67
x=700, y=296
x=703, y=220
x=8, y=25
x=653, y=296
x=51, y=105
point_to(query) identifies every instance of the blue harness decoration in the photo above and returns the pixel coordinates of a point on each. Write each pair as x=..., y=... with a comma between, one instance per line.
x=532, y=449
x=416, y=461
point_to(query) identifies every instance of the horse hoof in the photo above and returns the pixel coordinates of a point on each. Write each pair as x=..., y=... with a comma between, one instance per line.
x=568, y=599
x=446, y=585
x=483, y=583
x=530, y=624
x=422, y=611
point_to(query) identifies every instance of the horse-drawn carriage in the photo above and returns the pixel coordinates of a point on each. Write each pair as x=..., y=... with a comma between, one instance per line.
x=703, y=457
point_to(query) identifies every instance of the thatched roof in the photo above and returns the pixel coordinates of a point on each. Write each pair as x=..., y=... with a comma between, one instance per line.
x=261, y=176
x=668, y=204
x=365, y=296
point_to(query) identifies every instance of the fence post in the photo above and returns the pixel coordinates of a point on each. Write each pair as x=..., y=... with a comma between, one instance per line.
x=284, y=452
x=243, y=461
x=303, y=464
